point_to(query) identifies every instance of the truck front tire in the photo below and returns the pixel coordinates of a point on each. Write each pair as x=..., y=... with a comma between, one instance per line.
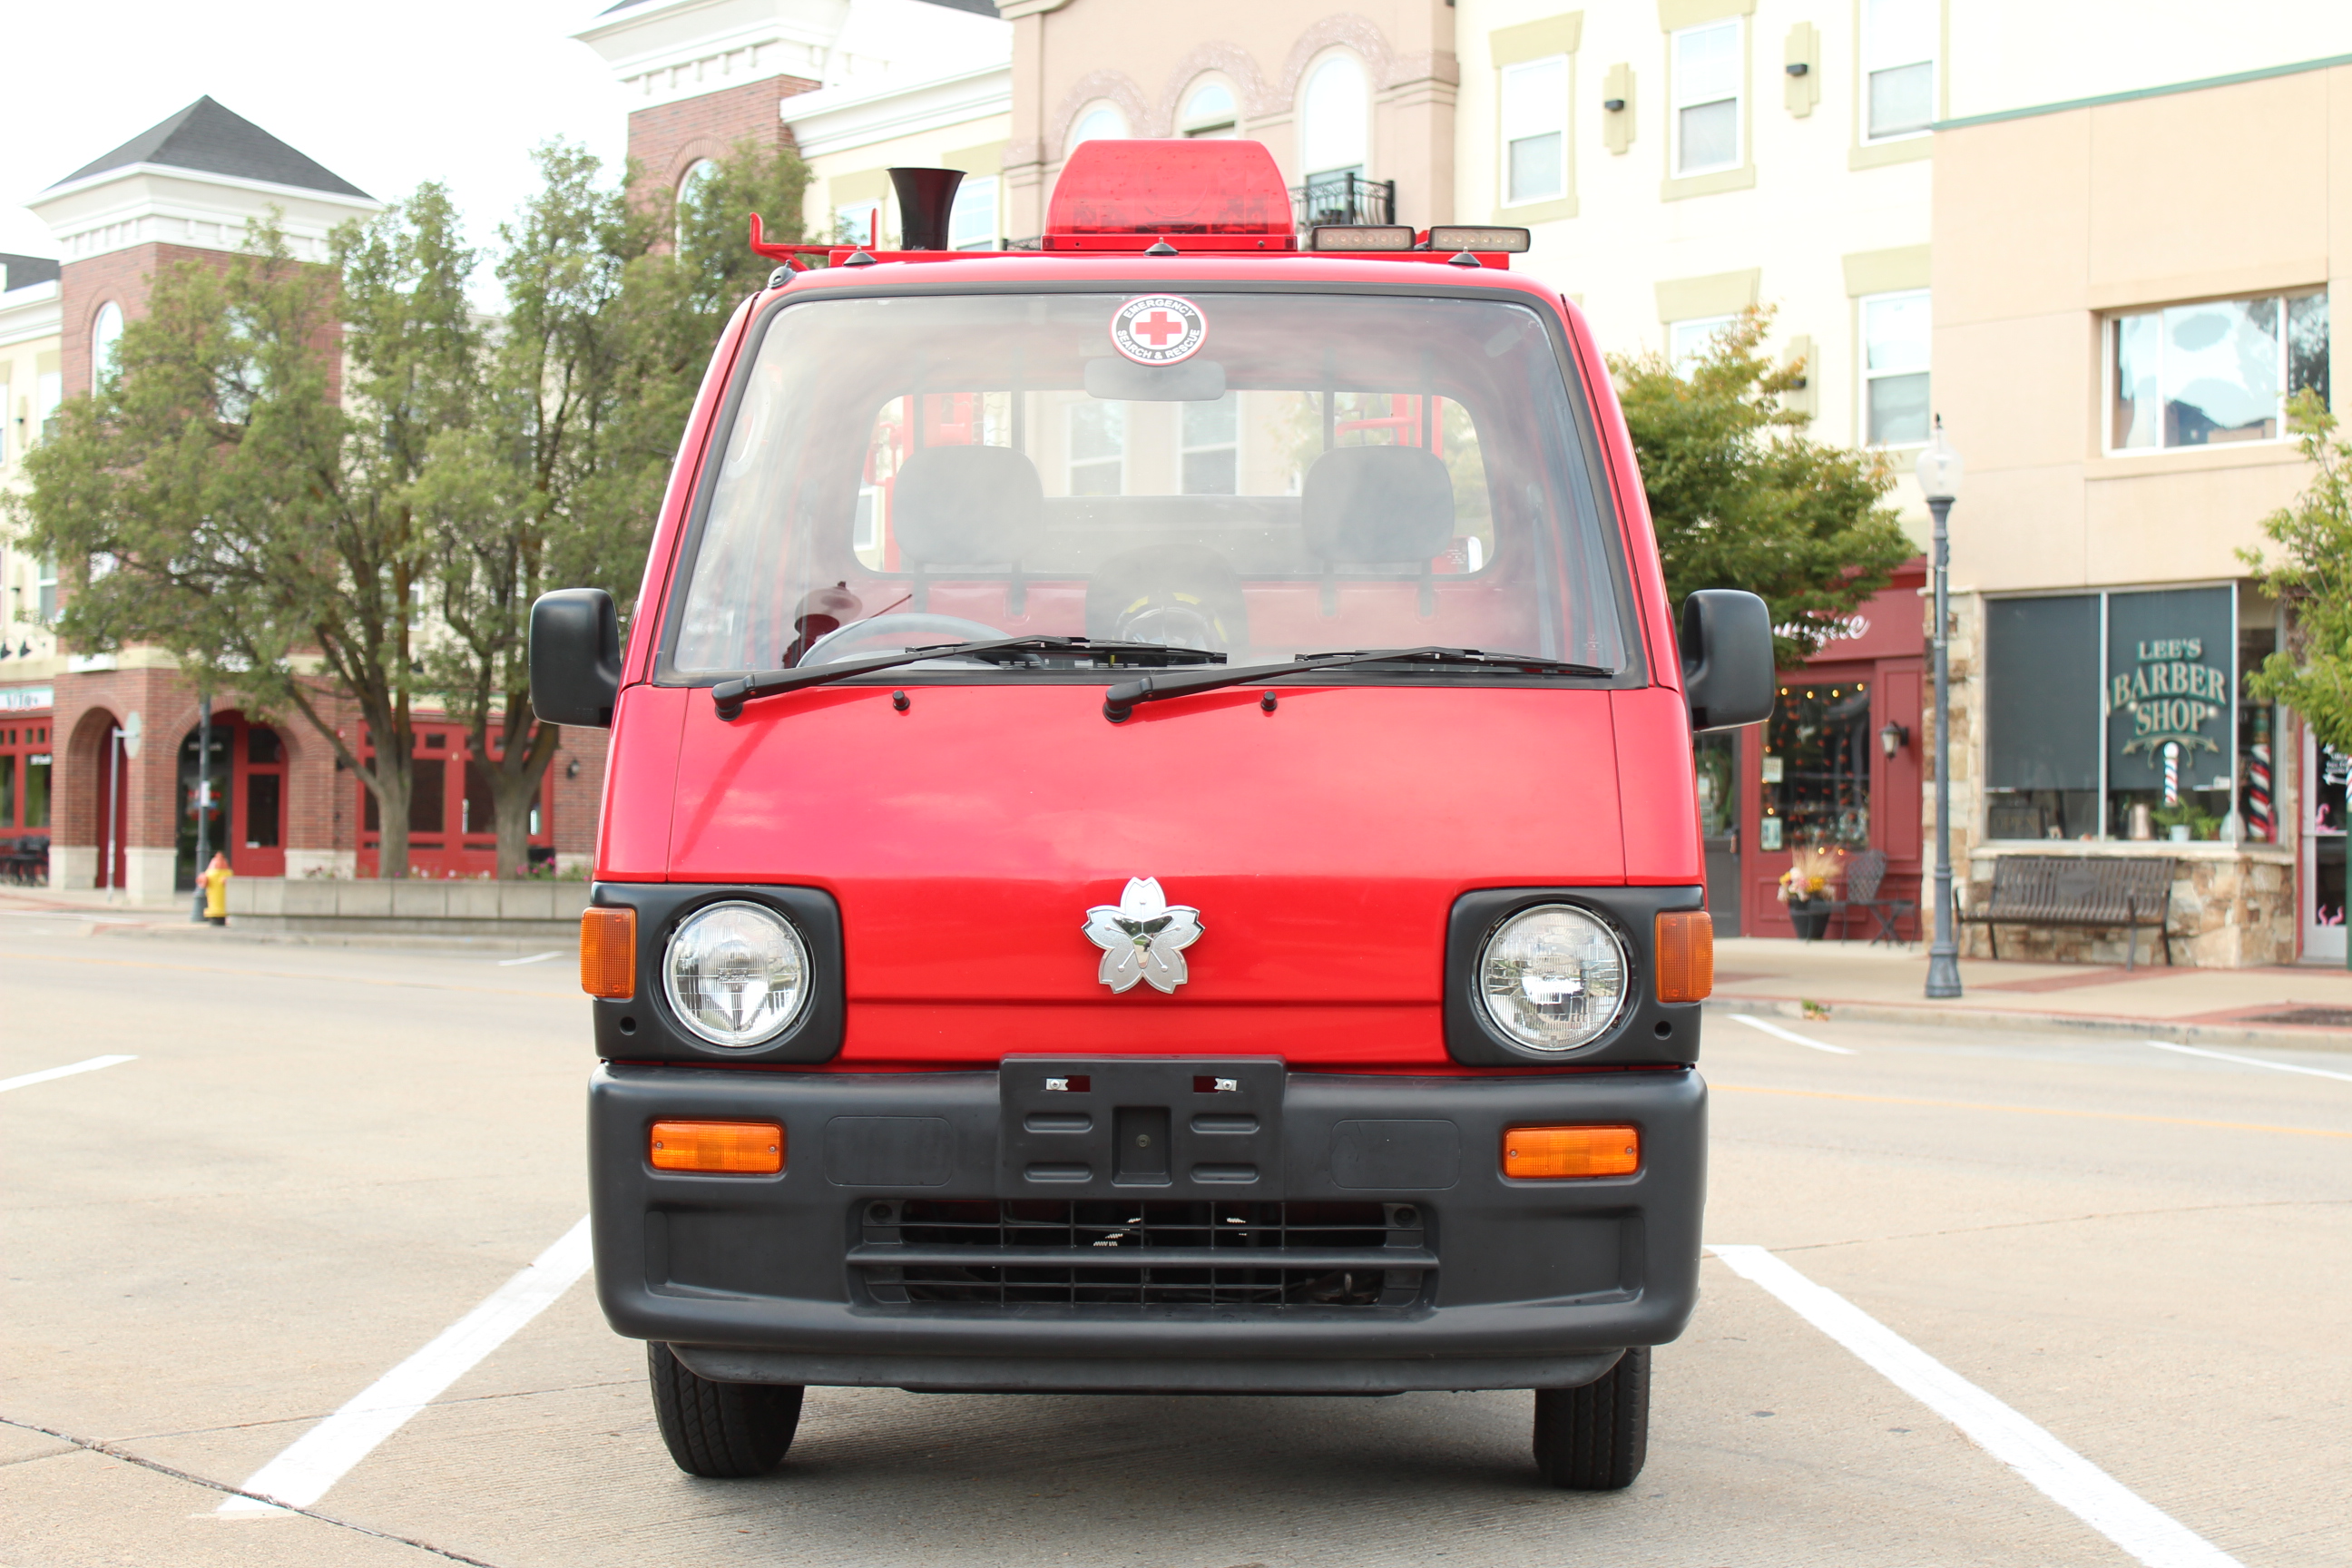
x=726, y=1431
x=1594, y=1438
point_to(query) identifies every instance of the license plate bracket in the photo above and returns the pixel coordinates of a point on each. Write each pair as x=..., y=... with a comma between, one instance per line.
x=1171, y=1127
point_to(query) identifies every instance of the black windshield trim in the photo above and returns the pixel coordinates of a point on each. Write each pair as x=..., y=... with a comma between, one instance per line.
x=1634, y=675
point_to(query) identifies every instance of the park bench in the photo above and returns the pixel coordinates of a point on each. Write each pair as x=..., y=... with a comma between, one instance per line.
x=2065, y=890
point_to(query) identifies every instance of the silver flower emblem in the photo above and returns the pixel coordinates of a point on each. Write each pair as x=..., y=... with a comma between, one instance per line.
x=1143, y=937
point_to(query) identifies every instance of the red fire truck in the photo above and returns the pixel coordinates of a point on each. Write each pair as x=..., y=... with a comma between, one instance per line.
x=1149, y=842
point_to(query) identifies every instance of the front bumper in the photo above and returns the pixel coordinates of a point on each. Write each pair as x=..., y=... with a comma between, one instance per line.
x=1447, y=1275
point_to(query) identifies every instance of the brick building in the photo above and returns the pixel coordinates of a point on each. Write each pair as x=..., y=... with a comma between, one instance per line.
x=114, y=737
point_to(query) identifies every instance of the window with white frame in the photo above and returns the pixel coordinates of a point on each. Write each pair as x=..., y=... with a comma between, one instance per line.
x=2213, y=373
x=1210, y=447
x=1102, y=122
x=1708, y=64
x=105, y=340
x=858, y=223
x=1898, y=67
x=1097, y=462
x=1896, y=330
x=1690, y=341
x=1211, y=112
x=49, y=391
x=689, y=189
x=972, y=225
x=45, y=590
x=1334, y=133
x=1533, y=114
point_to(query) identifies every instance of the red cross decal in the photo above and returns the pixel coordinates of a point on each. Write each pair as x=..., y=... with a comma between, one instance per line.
x=1159, y=329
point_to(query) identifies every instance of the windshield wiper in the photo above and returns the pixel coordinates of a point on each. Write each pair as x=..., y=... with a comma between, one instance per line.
x=1122, y=699
x=729, y=696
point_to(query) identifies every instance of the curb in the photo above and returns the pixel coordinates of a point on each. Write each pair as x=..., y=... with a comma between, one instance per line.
x=1832, y=1010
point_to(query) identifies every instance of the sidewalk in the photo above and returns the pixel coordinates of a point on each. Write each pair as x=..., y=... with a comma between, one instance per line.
x=2307, y=1007
x=87, y=911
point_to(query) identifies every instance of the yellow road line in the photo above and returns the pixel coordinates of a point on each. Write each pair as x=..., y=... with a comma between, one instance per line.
x=2033, y=1111
x=283, y=974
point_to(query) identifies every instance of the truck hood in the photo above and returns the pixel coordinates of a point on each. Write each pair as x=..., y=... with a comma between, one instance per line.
x=1323, y=843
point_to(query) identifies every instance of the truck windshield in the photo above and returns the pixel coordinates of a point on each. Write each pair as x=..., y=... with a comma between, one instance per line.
x=1320, y=472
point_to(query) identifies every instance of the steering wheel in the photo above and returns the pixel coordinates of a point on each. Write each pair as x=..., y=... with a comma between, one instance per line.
x=828, y=648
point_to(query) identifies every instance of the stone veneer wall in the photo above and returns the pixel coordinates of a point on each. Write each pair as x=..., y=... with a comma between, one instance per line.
x=2232, y=908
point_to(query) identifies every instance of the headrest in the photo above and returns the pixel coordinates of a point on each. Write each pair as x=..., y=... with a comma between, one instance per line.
x=1378, y=504
x=967, y=506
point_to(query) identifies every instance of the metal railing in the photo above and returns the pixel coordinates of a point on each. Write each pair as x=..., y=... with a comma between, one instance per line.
x=1346, y=198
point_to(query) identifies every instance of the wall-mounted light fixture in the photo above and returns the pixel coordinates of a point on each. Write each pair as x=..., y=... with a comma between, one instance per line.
x=1893, y=737
x=1798, y=67
x=1614, y=105
x=572, y=769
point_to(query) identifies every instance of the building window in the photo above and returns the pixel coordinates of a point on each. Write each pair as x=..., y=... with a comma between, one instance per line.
x=1102, y=122
x=689, y=187
x=1708, y=64
x=1689, y=342
x=1333, y=137
x=1097, y=448
x=973, y=225
x=105, y=342
x=1535, y=131
x=858, y=223
x=2211, y=373
x=45, y=590
x=1898, y=67
x=2116, y=715
x=1210, y=111
x=1896, y=331
x=1211, y=447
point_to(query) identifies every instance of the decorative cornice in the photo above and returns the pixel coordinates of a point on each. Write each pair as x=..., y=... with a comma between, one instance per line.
x=1229, y=60
x=1116, y=87
x=1345, y=30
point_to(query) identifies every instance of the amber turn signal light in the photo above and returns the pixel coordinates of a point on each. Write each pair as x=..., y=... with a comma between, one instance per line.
x=733, y=1148
x=1686, y=956
x=1550, y=1154
x=608, y=954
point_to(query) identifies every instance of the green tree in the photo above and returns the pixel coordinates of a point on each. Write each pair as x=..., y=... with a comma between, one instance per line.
x=2313, y=571
x=1741, y=497
x=214, y=499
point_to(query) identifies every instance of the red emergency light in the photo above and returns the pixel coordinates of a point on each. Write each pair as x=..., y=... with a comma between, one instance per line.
x=1214, y=194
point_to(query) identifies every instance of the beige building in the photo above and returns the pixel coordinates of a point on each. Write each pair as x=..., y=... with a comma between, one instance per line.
x=32, y=382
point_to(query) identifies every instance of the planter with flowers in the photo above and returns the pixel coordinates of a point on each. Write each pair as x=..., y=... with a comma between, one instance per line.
x=1805, y=889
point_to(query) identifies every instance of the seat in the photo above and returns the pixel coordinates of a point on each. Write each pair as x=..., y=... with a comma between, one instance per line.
x=968, y=506
x=1377, y=506
x=1863, y=874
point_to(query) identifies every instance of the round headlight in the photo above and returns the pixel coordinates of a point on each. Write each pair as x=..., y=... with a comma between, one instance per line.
x=1552, y=978
x=736, y=973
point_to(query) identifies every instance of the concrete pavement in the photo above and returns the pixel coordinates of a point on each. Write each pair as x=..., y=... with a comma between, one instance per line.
x=321, y=1158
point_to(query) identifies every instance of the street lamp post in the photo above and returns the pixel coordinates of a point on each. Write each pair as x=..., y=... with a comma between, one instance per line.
x=203, y=798
x=1939, y=480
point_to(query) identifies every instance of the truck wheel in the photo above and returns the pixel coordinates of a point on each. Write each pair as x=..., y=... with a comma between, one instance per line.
x=1594, y=1438
x=724, y=1430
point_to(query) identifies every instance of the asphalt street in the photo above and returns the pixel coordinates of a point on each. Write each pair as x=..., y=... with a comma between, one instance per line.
x=318, y=1161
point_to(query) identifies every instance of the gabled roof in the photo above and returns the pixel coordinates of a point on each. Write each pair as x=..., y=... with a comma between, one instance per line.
x=24, y=271
x=211, y=140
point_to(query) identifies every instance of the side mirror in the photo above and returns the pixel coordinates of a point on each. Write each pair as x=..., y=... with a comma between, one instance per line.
x=1727, y=647
x=575, y=658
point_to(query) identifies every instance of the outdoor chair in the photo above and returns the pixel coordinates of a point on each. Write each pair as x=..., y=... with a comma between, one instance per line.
x=1863, y=874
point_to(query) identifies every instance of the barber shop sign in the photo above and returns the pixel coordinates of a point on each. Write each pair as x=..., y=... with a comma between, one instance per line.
x=2170, y=694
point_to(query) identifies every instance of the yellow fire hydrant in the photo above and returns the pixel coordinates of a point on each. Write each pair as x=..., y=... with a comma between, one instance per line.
x=215, y=881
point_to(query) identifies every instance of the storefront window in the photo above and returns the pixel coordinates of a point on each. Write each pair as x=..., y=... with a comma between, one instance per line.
x=2113, y=715
x=1817, y=769
x=36, y=791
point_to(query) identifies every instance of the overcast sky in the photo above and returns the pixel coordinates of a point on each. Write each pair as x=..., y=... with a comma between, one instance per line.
x=388, y=95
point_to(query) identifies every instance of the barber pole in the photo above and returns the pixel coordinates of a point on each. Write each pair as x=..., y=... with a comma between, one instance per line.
x=2258, y=793
x=2172, y=772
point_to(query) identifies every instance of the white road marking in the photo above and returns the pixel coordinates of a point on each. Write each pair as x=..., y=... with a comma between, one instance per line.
x=2249, y=1061
x=46, y=1074
x=300, y=1474
x=534, y=958
x=1794, y=1039
x=2072, y=1482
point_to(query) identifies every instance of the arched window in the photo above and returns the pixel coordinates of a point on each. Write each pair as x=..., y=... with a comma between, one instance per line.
x=105, y=337
x=1210, y=111
x=1334, y=119
x=1101, y=122
x=689, y=185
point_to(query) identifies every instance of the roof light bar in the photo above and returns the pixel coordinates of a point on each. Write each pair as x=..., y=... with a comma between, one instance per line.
x=1361, y=236
x=1510, y=241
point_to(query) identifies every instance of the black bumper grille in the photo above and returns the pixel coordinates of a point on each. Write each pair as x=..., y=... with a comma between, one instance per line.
x=1113, y=1252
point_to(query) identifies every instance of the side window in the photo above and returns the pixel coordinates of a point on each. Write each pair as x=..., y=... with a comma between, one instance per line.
x=1896, y=330
x=1533, y=112
x=1708, y=64
x=1898, y=67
